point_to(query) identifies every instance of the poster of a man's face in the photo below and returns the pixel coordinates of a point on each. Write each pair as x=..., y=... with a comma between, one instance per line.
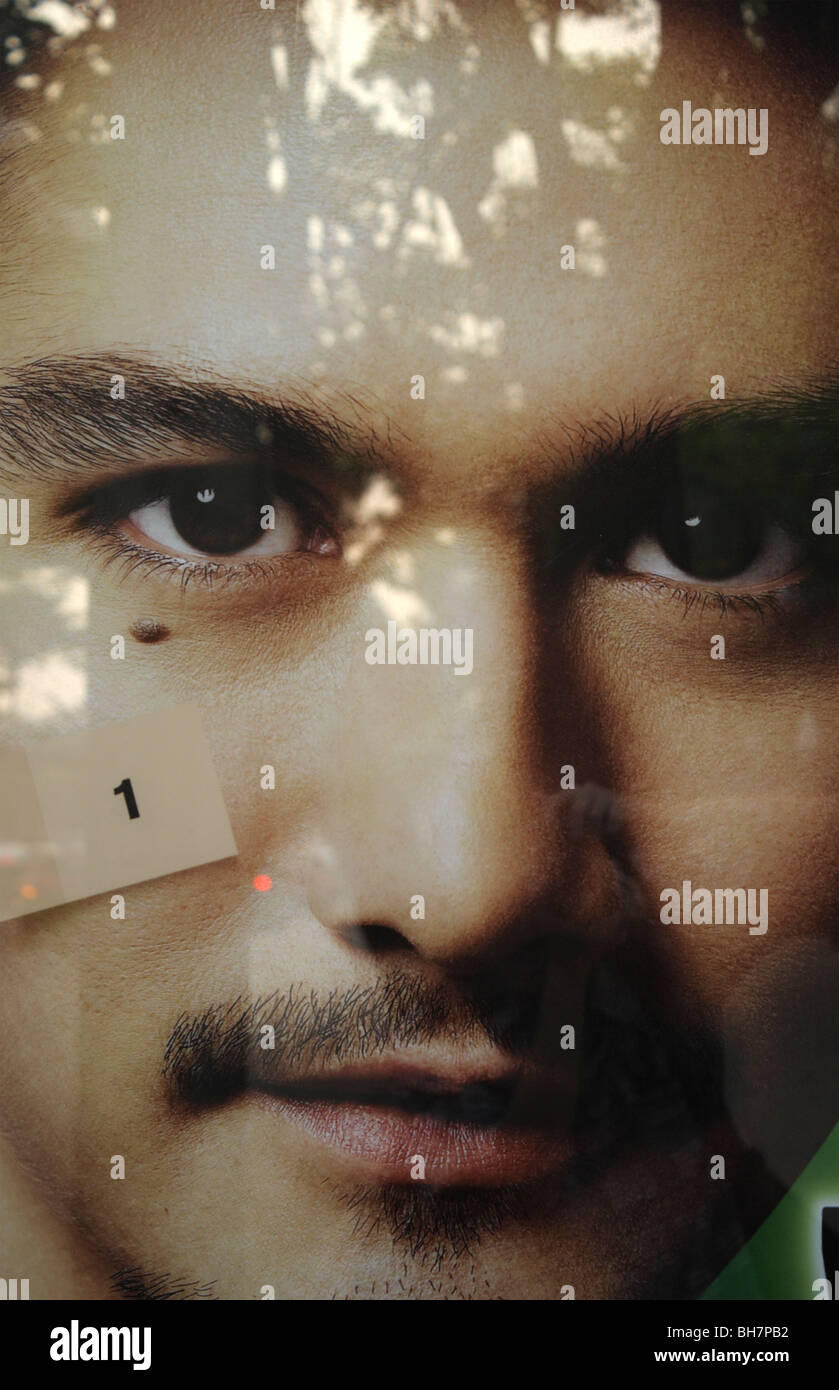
x=418, y=649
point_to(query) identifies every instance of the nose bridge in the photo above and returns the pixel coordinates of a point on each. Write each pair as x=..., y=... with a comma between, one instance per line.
x=438, y=791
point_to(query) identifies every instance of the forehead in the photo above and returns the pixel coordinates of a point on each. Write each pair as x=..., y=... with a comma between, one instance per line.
x=443, y=256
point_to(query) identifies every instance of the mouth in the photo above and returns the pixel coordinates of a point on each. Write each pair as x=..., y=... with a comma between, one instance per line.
x=467, y=1126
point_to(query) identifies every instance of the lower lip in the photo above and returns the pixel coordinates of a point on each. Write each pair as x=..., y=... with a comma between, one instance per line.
x=385, y=1144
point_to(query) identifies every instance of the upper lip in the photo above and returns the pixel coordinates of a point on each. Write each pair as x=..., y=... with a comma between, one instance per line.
x=476, y=1091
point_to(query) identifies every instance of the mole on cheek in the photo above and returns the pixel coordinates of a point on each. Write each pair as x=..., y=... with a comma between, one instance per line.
x=149, y=630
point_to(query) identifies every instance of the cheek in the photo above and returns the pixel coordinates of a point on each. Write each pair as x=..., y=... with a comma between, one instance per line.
x=734, y=795
x=742, y=793
x=727, y=775
x=85, y=1011
x=42, y=1028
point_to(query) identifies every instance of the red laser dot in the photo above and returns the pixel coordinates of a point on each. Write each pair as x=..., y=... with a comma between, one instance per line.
x=262, y=883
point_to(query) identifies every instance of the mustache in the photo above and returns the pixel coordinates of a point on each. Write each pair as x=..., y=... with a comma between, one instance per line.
x=640, y=1076
x=220, y=1052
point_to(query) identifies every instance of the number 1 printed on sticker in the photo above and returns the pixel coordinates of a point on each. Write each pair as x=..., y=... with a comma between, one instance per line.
x=125, y=789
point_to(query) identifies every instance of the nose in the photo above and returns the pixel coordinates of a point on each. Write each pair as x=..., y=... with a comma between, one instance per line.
x=443, y=813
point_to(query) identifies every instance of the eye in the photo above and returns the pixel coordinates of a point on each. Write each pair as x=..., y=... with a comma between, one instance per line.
x=702, y=535
x=217, y=513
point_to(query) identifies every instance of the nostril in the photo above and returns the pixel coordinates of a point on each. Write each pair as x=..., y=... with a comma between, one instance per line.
x=375, y=938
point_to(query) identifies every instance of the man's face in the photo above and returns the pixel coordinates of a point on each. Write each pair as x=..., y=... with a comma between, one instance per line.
x=270, y=227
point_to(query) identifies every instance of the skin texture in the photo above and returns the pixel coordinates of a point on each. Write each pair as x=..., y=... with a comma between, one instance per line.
x=393, y=782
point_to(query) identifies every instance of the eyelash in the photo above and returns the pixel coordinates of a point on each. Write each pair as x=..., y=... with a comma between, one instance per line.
x=817, y=588
x=211, y=574
x=768, y=605
x=760, y=604
x=98, y=514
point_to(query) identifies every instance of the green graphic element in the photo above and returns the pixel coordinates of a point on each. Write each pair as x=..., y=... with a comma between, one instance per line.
x=784, y=1257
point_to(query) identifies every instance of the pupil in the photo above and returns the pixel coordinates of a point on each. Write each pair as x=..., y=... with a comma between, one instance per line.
x=708, y=535
x=228, y=519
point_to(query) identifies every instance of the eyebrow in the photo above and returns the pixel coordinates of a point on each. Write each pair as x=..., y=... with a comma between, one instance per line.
x=784, y=438
x=59, y=420
x=794, y=411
